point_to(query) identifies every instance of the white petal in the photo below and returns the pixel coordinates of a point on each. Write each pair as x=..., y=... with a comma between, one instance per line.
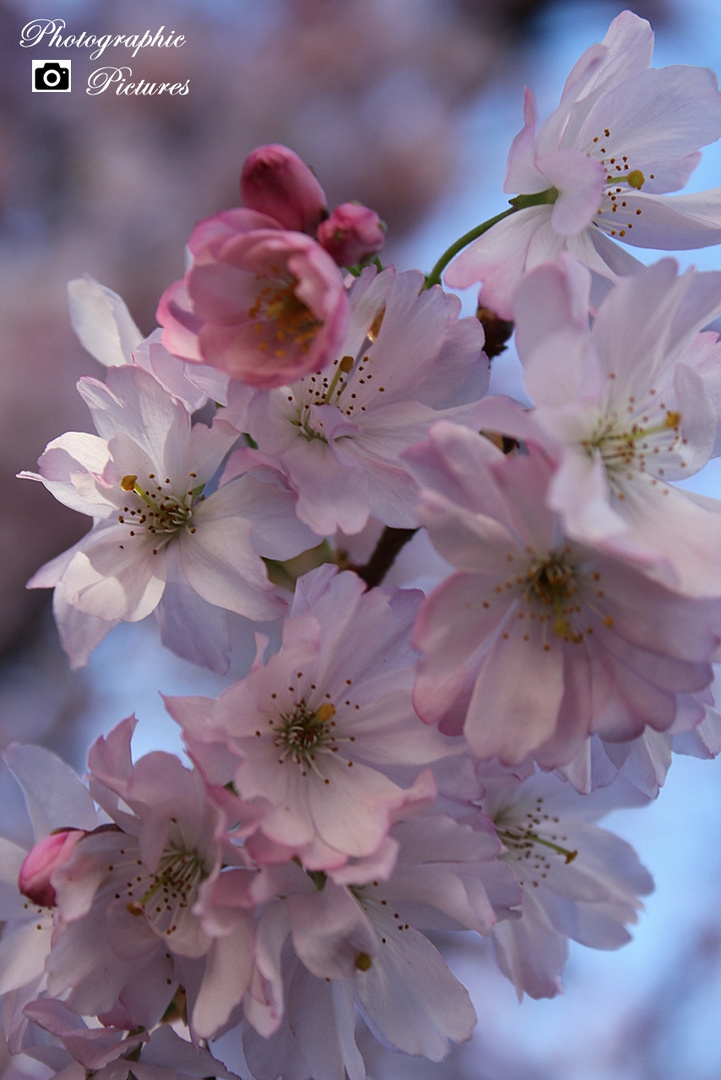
x=102, y=322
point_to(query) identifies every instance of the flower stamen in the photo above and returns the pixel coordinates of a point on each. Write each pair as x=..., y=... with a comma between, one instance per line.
x=304, y=731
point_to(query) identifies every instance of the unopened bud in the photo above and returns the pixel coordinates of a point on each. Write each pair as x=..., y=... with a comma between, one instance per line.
x=276, y=182
x=41, y=862
x=351, y=233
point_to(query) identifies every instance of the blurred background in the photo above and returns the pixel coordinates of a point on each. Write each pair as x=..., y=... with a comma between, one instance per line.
x=408, y=106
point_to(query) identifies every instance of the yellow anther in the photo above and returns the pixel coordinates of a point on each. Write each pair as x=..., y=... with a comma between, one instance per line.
x=326, y=712
x=673, y=419
x=376, y=325
x=128, y=483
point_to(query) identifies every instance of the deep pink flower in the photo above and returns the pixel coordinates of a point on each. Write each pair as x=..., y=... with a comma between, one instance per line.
x=276, y=182
x=261, y=303
x=351, y=233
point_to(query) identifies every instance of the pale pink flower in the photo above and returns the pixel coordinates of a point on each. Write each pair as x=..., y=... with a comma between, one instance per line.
x=276, y=182
x=578, y=881
x=111, y=1053
x=310, y=736
x=106, y=959
x=538, y=641
x=365, y=935
x=622, y=137
x=261, y=303
x=644, y=761
x=156, y=539
x=130, y=894
x=406, y=361
x=624, y=406
x=315, y=1037
x=54, y=799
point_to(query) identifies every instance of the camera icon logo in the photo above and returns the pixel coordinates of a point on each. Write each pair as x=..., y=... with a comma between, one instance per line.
x=51, y=75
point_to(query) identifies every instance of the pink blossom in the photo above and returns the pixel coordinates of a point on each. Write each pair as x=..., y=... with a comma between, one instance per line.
x=54, y=798
x=262, y=304
x=578, y=881
x=127, y=899
x=157, y=541
x=309, y=738
x=351, y=233
x=40, y=862
x=274, y=181
x=366, y=938
x=537, y=641
x=111, y=1053
x=599, y=169
x=406, y=361
x=622, y=423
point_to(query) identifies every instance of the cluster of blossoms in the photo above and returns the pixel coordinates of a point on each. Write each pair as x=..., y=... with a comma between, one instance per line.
x=397, y=763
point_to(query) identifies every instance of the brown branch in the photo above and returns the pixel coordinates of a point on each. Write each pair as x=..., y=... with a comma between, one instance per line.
x=386, y=550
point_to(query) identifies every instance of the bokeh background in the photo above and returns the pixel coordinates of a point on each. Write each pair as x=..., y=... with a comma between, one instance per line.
x=410, y=107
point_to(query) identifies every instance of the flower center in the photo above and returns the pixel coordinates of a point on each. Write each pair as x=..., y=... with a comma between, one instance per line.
x=551, y=581
x=533, y=845
x=159, y=512
x=299, y=735
x=622, y=449
x=620, y=177
x=348, y=385
x=280, y=319
x=170, y=890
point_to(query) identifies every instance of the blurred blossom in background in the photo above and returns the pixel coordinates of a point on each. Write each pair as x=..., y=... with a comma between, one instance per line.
x=408, y=106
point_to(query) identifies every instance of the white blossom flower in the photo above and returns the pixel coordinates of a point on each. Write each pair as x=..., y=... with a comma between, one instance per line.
x=599, y=169
x=156, y=538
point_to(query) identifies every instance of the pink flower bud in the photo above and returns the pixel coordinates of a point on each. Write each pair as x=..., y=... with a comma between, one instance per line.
x=42, y=860
x=276, y=182
x=351, y=233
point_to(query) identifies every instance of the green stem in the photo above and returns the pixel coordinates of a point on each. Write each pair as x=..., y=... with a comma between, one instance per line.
x=434, y=278
x=520, y=202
